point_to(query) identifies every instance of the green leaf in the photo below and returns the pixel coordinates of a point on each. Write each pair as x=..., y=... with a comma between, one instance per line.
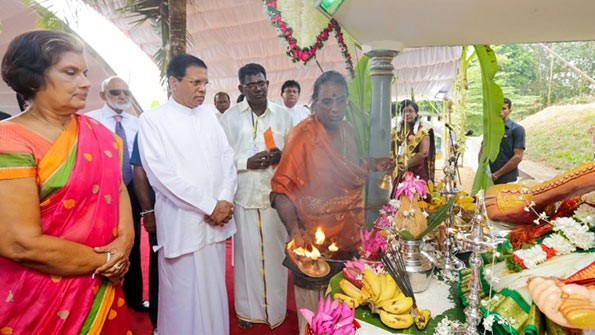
x=360, y=103
x=493, y=126
x=364, y=313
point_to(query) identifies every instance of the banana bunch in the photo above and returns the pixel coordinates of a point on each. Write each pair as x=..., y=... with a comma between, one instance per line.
x=381, y=293
x=462, y=199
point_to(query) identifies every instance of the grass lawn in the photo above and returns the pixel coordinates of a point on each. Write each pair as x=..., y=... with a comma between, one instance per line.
x=557, y=136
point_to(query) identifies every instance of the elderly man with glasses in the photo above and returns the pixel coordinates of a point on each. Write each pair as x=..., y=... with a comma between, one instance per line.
x=256, y=129
x=115, y=93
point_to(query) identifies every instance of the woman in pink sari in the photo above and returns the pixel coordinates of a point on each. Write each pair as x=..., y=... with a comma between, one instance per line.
x=66, y=228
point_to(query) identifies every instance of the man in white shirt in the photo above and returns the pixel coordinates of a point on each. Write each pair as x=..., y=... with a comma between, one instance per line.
x=189, y=164
x=256, y=130
x=290, y=92
x=115, y=93
x=222, y=102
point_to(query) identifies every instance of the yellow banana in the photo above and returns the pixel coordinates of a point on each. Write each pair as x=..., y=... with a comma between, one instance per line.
x=352, y=291
x=350, y=301
x=422, y=318
x=389, y=289
x=397, y=306
x=396, y=321
x=370, y=279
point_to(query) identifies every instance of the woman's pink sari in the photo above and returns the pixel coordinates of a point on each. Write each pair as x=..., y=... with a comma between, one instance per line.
x=84, y=210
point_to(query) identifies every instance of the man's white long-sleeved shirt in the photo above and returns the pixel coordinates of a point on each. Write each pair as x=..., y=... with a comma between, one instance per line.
x=190, y=165
x=298, y=113
x=130, y=123
x=245, y=133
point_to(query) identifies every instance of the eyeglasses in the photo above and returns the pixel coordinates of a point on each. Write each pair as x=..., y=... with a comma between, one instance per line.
x=196, y=82
x=259, y=84
x=118, y=92
x=329, y=102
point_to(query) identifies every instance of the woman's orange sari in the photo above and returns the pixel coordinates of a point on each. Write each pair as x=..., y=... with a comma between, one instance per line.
x=325, y=188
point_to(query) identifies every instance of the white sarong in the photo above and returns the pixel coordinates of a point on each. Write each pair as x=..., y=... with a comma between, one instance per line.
x=192, y=293
x=260, y=279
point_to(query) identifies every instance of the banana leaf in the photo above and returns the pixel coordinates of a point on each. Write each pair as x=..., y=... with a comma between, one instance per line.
x=364, y=313
x=360, y=103
x=434, y=220
x=493, y=126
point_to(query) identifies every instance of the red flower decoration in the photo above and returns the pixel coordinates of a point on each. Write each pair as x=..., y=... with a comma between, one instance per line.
x=305, y=54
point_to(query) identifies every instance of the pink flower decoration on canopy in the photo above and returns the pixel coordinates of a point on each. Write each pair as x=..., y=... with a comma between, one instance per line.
x=411, y=185
x=332, y=318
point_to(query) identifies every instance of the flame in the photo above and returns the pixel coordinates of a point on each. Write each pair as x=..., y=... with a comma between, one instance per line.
x=333, y=247
x=314, y=254
x=290, y=245
x=300, y=251
x=319, y=235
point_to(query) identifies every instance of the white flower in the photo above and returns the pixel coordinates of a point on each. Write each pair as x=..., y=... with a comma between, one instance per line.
x=497, y=254
x=395, y=203
x=425, y=214
x=543, y=216
x=526, y=209
x=525, y=190
x=537, y=222
x=532, y=256
x=559, y=243
x=576, y=232
x=585, y=241
x=521, y=197
x=584, y=211
x=532, y=204
x=488, y=322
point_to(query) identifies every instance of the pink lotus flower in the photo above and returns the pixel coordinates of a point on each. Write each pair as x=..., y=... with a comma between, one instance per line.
x=332, y=318
x=410, y=185
x=372, y=243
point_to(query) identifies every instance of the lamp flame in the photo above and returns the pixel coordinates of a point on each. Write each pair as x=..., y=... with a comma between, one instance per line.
x=300, y=251
x=319, y=235
x=314, y=254
x=333, y=247
x=290, y=245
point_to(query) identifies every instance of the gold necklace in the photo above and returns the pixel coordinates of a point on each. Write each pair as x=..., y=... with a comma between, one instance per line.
x=63, y=126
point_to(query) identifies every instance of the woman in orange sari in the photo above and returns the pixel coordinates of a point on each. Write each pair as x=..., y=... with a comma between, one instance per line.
x=320, y=180
x=66, y=228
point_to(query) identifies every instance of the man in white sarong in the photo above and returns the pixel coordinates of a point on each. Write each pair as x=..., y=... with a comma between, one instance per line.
x=190, y=165
x=256, y=130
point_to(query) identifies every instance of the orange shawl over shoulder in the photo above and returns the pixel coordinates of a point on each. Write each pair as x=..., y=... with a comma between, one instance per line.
x=325, y=187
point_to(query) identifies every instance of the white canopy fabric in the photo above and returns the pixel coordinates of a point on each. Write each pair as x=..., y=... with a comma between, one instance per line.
x=17, y=18
x=228, y=34
x=428, y=72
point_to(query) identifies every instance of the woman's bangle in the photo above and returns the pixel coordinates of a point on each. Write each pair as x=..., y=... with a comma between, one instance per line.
x=143, y=213
x=109, y=256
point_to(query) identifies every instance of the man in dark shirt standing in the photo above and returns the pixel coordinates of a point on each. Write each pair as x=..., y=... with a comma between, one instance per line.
x=505, y=168
x=146, y=199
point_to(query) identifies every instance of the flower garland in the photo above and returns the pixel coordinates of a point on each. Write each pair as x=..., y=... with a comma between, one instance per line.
x=305, y=54
x=569, y=234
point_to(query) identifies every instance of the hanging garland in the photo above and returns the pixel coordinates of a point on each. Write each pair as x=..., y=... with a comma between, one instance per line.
x=305, y=54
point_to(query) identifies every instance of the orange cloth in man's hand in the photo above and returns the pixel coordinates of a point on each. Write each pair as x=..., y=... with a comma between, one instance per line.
x=269, y=141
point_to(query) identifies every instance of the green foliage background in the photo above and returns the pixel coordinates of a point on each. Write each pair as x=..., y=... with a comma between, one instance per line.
x=524, y=76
